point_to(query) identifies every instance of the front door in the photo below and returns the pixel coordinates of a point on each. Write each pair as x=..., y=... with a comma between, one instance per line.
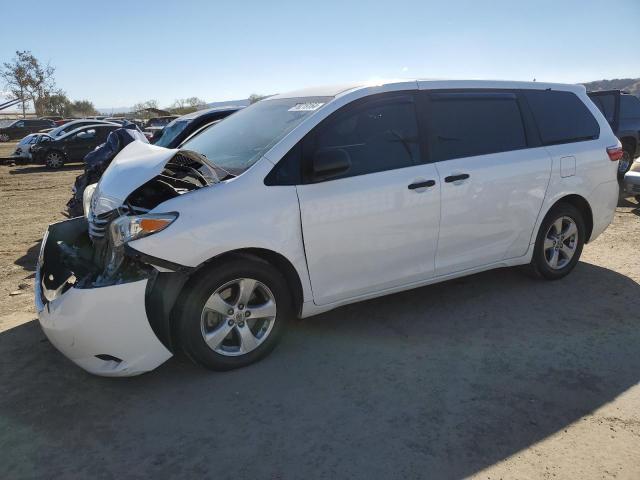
x=375, y=226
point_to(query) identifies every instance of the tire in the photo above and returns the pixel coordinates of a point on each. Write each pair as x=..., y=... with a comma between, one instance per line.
x=226, y=324
x=4, y=137
x=542, y=262
x=54, y=159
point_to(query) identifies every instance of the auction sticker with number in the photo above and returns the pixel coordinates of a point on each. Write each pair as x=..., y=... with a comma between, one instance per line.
x=306, y=107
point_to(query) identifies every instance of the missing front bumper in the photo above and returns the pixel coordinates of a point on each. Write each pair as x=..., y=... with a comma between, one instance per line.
x=103, y=329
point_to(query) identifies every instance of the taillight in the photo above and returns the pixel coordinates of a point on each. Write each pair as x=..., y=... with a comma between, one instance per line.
x=615, y=153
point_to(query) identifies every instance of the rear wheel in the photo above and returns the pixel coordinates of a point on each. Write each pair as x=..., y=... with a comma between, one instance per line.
x=233, y=314
x=54, y=159
x=559, y=242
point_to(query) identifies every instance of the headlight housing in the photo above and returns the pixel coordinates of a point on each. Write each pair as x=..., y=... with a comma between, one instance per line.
x=128, y=228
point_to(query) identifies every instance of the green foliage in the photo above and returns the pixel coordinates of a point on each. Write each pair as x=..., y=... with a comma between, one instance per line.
x=83, y=108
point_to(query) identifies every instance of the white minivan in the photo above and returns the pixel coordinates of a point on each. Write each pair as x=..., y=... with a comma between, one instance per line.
x=318, y=198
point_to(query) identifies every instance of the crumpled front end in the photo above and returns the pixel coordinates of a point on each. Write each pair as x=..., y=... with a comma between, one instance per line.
x=97, y=321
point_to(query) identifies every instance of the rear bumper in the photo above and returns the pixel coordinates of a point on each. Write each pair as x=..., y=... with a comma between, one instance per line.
x=104, y=329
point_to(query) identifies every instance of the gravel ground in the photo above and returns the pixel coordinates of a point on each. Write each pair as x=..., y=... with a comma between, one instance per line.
x=493, y=376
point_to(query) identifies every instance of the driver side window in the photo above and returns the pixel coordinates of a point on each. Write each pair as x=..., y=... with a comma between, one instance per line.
x=86, y=134
x=377, y=135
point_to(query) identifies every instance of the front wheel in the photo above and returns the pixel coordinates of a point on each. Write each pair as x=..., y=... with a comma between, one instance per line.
x=559, y=242
x=4, y=137
x=233, y=314
x=54, y=160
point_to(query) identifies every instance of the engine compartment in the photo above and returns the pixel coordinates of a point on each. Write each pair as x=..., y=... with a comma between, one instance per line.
x=80, y=252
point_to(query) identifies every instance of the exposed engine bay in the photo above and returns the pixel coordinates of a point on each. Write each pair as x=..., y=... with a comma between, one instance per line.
x=90, y=251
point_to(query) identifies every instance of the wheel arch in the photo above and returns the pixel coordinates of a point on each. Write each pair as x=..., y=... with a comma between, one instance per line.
x=581, y=203
x=165, y=291
x=275, y=259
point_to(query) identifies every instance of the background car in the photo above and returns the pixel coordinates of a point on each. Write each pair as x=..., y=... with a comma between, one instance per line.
x=72, y=146
x=154, y=126
x=187, y=125
x=23, y=149
x=20, y=128
x=73, y=125
x=622, y=111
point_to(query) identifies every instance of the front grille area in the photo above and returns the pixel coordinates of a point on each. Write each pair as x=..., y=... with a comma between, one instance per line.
x=98, y=224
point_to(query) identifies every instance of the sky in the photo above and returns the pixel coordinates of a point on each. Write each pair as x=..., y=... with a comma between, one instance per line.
x=118, y=53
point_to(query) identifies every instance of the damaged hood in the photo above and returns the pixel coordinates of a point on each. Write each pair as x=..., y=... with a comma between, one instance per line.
x=135, y=165
x=142, y=176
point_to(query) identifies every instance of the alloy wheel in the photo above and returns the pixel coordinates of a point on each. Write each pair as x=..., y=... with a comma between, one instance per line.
x=561, y=242
x=54, y=160
x=4, y=137
x=238, y=317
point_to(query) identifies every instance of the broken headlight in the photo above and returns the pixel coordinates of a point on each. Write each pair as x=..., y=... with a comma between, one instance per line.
x=128, y=228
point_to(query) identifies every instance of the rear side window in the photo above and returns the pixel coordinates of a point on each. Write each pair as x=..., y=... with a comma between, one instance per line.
x=629, y=107
x=470, y=124
x=378, y=135
x=561, y=117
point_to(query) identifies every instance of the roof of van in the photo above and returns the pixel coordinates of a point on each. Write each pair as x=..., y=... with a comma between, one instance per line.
x=336, y=90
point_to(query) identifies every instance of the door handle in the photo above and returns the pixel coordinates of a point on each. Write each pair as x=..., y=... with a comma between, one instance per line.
x=426, y=183
x=455, y=178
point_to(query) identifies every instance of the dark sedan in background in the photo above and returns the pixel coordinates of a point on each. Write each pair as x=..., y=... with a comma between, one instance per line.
x=18, y=129
x=72, y=146
x=187, y=125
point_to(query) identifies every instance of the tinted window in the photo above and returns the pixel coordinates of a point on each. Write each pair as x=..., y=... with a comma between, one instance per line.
x=238, y=142
x=607, y=105
x=561, y=117
x=629, y=106
x=377, y=135
x=468, y=124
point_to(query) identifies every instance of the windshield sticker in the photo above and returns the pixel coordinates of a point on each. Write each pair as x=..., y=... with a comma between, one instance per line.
x=305, y=107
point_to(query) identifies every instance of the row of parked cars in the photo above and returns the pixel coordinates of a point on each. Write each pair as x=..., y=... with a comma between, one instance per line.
x=43, y=141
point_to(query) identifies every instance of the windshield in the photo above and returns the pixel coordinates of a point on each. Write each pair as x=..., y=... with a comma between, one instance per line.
x=7, y=123
x=239, y=141
x=171, y=131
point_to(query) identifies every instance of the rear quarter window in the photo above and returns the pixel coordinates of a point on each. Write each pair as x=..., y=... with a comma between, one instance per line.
x=561, y=117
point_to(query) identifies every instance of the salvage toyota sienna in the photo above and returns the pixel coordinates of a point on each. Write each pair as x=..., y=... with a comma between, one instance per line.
x=318, y=198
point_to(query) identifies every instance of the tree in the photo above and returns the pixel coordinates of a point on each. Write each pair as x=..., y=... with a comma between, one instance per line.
x=83, y=108
x=141, y=106
x=182, y=106
x=256, y=97
x=16, y=77
x=29, y=80
x=57, y=104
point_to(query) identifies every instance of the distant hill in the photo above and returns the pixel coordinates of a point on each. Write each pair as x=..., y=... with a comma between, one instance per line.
x=631, y=85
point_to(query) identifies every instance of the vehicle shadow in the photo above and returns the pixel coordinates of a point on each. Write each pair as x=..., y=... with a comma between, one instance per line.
x=30, y=258
x=41, y=168
x=438, y=382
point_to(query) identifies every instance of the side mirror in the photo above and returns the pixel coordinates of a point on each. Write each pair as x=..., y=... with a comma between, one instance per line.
x=329, y=163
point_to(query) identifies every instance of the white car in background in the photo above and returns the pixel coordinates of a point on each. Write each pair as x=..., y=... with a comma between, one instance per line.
x=23, y=149
x=313, y=199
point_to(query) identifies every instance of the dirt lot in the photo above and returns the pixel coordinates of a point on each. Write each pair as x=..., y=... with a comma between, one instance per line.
x=495, y=376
